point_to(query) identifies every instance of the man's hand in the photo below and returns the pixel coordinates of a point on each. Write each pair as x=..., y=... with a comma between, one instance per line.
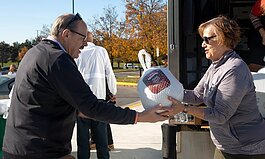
x=152, y=115
x=113, y=98
x=79, y=114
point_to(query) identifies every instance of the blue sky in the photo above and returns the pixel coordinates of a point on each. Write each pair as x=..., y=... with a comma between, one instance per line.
x=20, y=19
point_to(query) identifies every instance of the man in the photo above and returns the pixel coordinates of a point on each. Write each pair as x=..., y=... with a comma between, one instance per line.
x=95, y=67
x=48, y=91
x=256, y=37
x=164, y=60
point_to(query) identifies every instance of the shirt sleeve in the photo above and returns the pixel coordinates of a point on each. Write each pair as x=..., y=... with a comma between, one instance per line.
x=229, y=94
x=255, y=14
x=110, y=76
x=72, y=88
x=196, y=96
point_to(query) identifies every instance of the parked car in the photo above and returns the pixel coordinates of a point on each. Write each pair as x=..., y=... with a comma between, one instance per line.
x=6, y=84
x=5, y=70
x=130, y=65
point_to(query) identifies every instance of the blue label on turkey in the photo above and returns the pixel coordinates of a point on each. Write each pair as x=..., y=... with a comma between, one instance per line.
x=156, y=81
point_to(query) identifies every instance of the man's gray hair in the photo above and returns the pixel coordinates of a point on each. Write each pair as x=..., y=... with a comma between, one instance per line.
x=61, y=22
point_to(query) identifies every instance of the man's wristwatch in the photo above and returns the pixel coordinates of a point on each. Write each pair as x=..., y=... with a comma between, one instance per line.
x=185, y=110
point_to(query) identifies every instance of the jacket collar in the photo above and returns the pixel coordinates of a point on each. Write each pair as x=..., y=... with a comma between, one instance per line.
x=90, y=44
x=223, y=59
x=55, y=41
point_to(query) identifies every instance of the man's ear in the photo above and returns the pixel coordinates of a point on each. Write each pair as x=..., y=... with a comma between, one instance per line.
x=85, y=43
x=65, y=33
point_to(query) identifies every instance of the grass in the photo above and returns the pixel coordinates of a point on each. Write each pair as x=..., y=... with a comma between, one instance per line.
x=124, y=70
x=128, y=79
x=9, y=63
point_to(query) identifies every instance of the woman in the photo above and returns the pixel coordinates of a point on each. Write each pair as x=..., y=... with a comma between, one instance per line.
x=256, y=36
x=12, y=69
x=236, y=126
x=256, y=15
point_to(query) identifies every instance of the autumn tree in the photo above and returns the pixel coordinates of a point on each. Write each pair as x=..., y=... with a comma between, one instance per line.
x=104, y=30
x=146, y=21
x=144, y=27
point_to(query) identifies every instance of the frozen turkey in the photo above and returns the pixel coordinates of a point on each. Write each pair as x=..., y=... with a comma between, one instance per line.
x=156, y=84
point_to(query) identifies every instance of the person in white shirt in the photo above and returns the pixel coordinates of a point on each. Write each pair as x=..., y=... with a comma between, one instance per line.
x=12, y=69
x=95, y=67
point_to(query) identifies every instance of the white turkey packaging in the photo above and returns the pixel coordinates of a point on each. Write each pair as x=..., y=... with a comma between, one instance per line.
x=156, y=84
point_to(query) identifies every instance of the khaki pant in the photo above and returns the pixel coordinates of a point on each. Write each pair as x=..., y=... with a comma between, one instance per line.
x=222, y=155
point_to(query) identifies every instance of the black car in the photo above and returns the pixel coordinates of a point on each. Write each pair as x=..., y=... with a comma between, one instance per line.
x=6, y=84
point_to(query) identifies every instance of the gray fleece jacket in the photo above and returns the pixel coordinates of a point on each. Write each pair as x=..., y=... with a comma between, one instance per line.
x=228, y=91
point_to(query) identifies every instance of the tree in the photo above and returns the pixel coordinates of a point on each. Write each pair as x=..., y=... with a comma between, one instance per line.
x=44, y=33
x=144, y=27
x=105, y=29
x=4, y=49
x=27, y=44
x=146, y=22
x=14, y=51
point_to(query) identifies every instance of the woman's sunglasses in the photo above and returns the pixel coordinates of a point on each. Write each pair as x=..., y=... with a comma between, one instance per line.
x=206, y=39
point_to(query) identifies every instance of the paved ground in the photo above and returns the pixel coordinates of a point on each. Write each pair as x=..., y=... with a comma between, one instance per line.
x=140, y=141
x=126, y=95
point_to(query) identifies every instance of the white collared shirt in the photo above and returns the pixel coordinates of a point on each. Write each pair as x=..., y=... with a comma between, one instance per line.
x=94, y=65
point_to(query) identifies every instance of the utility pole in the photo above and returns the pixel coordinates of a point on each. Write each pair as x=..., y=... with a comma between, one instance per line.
x=73, y=5
x=38, y=33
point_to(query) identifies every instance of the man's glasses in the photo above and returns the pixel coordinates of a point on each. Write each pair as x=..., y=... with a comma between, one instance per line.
x=76, y=17
x=84, y=37
x=206, y=39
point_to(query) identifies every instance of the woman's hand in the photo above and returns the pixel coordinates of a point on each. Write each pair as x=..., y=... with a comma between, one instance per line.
x=175, y=108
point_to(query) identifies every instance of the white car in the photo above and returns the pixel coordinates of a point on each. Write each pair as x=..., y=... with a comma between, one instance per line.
x=130, y=65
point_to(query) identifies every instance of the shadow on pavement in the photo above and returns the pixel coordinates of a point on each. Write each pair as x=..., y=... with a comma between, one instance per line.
x=139, y=153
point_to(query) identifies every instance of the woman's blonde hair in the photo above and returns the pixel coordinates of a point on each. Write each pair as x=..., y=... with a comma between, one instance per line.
x=227, y=31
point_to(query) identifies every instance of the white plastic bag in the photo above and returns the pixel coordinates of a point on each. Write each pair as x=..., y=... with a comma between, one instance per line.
x=144, y=59
x=156, y=84
x=4, y=106
x=262, y=70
